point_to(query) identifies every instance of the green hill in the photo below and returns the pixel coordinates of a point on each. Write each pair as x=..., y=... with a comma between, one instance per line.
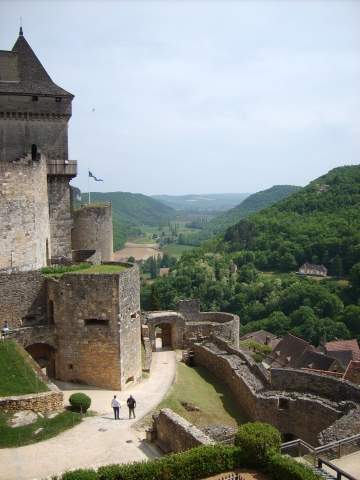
x=131, y=211
x=252, y=204
x=318, y=224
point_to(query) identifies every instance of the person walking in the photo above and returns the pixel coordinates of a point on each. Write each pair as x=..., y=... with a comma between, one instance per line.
x=131, y=403
x=116, y=407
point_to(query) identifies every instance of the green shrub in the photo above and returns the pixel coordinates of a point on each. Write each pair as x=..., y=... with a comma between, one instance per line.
x=190, y=465
x=80, y=475
x=80, y=402
x=281, y=467
x=60, y=269
x=257, y=441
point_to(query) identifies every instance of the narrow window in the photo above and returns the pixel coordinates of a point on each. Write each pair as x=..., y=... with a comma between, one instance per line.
x=57, y=99
x=35, y=98
x=71, y=366
x=283, y=404
x=34, y=155
x=96, y=322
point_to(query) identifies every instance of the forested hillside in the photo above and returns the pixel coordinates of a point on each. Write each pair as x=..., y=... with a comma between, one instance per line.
x=320, y=223
x=252, y=204
x=130, y=211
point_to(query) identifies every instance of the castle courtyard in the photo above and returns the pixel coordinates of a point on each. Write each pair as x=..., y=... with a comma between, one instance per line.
x=98, y=440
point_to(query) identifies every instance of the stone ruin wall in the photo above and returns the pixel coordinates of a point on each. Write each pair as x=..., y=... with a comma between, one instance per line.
x=207, y=324
x=304, y=416
x=93, y=230
x=172, y=433
x=302, y=381
x=130, y=325
x=24, y=215
x=22, y=298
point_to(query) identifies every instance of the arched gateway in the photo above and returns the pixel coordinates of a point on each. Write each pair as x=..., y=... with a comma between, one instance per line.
x=169, y=326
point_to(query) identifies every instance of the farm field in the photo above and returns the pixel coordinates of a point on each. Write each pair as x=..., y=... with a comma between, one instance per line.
x=138, y=251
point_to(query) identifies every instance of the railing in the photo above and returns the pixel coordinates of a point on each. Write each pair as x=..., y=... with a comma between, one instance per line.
x=229, y=476
x=340, y=474
x=62, y=167
x=337, y=449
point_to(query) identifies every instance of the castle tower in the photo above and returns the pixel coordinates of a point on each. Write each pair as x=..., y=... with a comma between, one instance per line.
x=34, y=116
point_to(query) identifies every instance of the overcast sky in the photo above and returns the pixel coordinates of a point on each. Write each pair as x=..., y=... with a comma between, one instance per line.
x=201, y=96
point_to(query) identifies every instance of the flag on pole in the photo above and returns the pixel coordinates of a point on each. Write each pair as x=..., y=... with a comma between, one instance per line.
x=93, y=176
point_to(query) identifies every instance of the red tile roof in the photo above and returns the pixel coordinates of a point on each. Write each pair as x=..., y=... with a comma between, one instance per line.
x=344, y=345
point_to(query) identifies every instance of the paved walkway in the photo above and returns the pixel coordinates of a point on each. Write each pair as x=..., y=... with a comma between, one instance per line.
x=97, y=440
x=349, y=463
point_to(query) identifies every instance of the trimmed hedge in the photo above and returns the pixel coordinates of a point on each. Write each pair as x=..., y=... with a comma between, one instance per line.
x=257, y=445
x=258, y=441
x=281, y=467
x=190, y=465
x=80, y=402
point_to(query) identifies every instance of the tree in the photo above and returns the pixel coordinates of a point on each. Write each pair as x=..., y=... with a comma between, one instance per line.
x=355, y=276
x=154, y=299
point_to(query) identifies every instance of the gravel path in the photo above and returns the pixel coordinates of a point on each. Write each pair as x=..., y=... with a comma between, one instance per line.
x=97, y=440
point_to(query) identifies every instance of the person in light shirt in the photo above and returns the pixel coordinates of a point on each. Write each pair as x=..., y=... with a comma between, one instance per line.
x=116, y=407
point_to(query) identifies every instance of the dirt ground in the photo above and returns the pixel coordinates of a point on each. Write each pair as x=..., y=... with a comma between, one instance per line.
x=138, y=251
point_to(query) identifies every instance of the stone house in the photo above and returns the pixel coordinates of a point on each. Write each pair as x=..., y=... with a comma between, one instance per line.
x=312, y=269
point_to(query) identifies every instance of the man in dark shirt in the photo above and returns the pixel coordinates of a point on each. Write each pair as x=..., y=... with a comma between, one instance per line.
x=131, y=403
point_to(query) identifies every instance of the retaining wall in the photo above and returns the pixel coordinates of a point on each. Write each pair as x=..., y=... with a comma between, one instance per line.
x=175, y=434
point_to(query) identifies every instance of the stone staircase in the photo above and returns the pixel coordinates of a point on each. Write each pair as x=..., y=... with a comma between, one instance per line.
x=322, y=473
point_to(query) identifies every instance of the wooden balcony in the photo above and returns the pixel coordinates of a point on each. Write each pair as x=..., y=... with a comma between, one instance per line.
x=67, y=168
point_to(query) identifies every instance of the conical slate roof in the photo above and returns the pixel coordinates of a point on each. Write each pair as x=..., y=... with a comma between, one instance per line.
x=22, y=72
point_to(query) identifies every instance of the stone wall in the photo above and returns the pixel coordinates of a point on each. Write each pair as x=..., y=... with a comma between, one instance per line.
x=24, y=122
x=85, y=317
x=60, y=216
x=37, y=402
x=129, y=325
x=299, y=415
x=93, y=230
x=175, y=434
x=22, y=298
x=207, y=324
x=189, y=325
x=24, y=215
x=324, y=386
x=98, y=327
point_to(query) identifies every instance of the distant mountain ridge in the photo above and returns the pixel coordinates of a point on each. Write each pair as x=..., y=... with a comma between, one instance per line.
x=130, y=211
x=207, y=202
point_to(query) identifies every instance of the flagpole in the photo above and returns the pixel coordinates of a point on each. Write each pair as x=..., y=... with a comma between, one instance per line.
x=88, y=188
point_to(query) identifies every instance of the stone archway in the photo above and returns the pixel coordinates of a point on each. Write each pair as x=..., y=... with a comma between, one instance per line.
x=164, y=332
x=172, y=326
x=44, y=355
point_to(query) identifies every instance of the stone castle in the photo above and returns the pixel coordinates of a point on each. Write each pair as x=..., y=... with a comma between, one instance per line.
x=79, y=326
x=86, y=325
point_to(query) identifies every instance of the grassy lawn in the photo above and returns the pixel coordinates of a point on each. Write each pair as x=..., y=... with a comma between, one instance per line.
x=176, y=250
x=102, y=269
x=82, y=268
x=18, y=436
x=16, y=375
x=200, y=388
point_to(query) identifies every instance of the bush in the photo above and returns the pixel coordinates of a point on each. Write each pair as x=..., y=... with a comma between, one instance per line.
x=80, y=475
x=80, y=402
x=258, y=441
x=284, y=468
x=190, y=465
